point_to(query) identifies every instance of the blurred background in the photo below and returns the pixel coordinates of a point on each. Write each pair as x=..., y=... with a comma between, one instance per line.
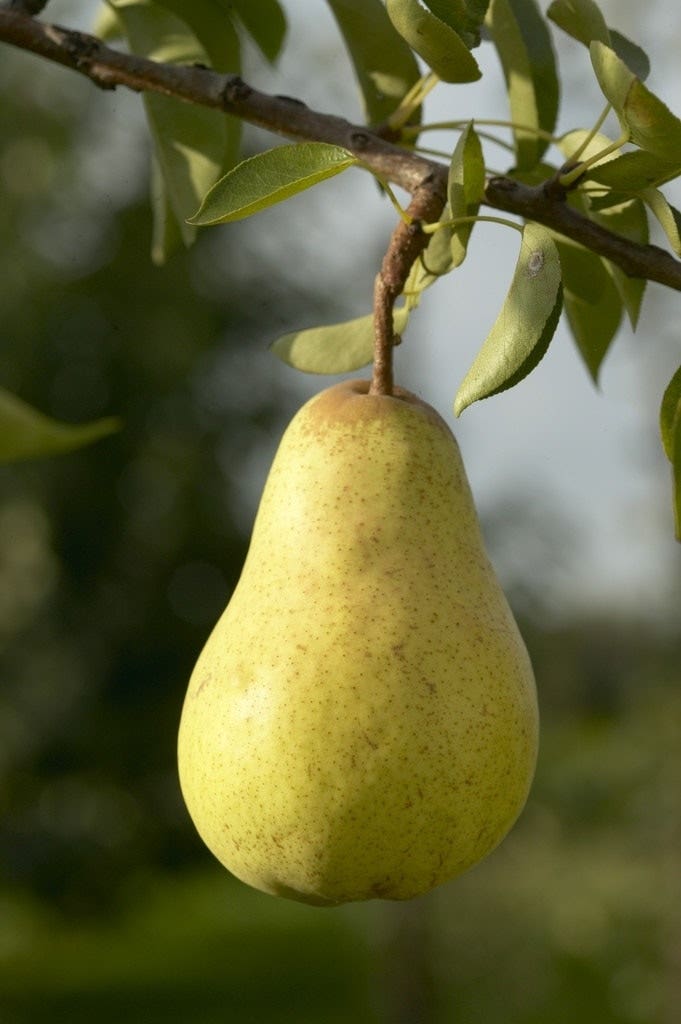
x=115, y=562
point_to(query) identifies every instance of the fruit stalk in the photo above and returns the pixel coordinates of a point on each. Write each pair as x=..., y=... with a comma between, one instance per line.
x=406, y=244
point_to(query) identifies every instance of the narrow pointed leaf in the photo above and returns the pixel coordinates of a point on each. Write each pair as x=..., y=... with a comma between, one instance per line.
x=523, y=43
x=339, y=348
x=465, y=188
x=270, y=177
x=631, y=53
x=265, y=22
x=669, y=412
x=592, y=304
x=106, y=25
x=667, y=215
x=650, y=123
x=384, y=64
x=633, y=171
x=454, y=14
x=670, y=429
x=434, y=262
x=464, y=16
x=440, y=46
x=525, y=324
x=167, y=234
x=193, y=145
x=628, y=219
x=581, y=19
x=26, y=433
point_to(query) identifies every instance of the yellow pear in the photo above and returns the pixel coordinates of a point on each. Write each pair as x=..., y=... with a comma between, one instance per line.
x=362, y=722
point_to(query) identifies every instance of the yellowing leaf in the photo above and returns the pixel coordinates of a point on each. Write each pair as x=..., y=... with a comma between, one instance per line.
x=525, y=324
x=338, y=348
x=270, y=177
x=26, y=433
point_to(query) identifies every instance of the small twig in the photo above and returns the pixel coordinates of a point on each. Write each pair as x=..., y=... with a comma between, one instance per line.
x=406, y=244
x=537, y=203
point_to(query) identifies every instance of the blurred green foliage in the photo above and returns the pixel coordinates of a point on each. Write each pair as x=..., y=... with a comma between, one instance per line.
x=114, y=563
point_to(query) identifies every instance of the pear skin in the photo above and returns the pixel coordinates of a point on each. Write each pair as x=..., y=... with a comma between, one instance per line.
x=362, y=722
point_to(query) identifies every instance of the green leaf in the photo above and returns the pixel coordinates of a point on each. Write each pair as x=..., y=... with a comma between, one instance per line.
x=631, y=53
x=523, y=43
x=581, y=19
x=669, y=412
x=270, y=177
x=435, y=261
x=670, y=430
x=265, y=22
x=384, y=64
x=525, y=324
x=106, y=25
x=667, y=215
x=26, y=433
x=192, y=144
x=166, y=234
x=651, y=125
x=628, y=219
x=634, y=171
x=465, y=188
x=592, y=303
x=440, y=46
x=339, y=348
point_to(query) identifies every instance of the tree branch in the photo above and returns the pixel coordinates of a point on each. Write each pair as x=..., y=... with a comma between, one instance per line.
x=108, y=68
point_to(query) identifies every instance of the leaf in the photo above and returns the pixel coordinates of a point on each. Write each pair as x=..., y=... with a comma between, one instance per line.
x=523, y=43
x=581, y=19
x=166, y=233
x=26, y=433
x=465, y=188
x=454, y=14
x=435, y=261
x=634, y=171
x=592, y=304
x=339, y=348
x=525, y=324
x=192, y=144
x=384, y=64
x=106, y=25
x=440, y=46
x=268, y=178
x=670, y=430
x=669, y=413
x=265, y=22
x=628, y=219
x=667, y=215
x=651, y=125
x=631, y=53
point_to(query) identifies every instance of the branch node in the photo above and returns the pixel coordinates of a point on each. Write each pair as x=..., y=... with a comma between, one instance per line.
x=359, y=139
x=236, y=90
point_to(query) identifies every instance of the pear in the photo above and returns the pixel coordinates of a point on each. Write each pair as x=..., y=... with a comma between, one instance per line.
x=362, y=722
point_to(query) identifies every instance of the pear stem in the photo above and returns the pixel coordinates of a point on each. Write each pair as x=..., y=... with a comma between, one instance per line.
x=406, y=244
